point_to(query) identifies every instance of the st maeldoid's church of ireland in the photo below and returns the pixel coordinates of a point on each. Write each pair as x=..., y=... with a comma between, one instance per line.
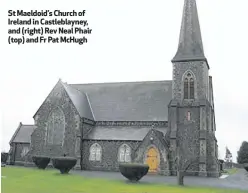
x=105, y=124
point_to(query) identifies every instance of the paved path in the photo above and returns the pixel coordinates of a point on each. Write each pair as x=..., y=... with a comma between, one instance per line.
x=238, y=180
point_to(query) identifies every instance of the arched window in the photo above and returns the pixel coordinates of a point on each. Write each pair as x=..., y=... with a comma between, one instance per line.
x=95, y=152
x=56, y=127
x=189, y=86
x=24, y=151
x=124, y=153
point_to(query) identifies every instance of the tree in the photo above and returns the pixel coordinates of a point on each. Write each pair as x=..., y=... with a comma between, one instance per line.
x=182, y=165
x=243, y=153
x=228, y=158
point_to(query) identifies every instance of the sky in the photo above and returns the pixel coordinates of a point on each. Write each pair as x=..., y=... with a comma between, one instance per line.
x=130, y=41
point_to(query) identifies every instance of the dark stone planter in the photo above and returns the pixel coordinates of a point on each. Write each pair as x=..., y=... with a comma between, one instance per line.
x=64, y=164
x=41, y=161
x=133, y=172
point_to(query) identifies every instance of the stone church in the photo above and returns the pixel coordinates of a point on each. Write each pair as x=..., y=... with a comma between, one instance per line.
x=105, y=124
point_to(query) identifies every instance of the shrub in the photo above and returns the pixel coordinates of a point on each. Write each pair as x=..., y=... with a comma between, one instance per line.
x=243, y=153
x=64, y=164
x=246, y=167
x=133, y=171
x=4, y=157
x=221, y=161
x=41, y=161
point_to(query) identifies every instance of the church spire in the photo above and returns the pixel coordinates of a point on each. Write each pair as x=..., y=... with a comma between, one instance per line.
x=190, y=46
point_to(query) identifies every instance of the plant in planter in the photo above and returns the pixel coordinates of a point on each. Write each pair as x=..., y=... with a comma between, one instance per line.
x=41, y=161
x=4, y=157
x=133, y=171
x=64, y=164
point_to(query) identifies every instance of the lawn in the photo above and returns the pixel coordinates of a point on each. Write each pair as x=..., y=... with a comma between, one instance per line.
x=30, y=180
x=232, y=171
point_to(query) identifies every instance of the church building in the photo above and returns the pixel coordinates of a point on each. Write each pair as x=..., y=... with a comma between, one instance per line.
x=104, y=124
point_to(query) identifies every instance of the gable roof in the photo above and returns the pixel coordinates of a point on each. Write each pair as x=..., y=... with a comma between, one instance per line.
x=128, y=101
x=121, y=133
x=22, y=134
x=80, y=101
x=190, y=42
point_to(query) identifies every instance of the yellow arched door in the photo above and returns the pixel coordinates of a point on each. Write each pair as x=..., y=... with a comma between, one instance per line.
x=152, y=160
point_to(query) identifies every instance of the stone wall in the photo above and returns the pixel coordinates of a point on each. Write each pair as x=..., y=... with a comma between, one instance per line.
x=199, y=70
x=156, y=140
x=109, y=161
x=57, y=98
x=19, y=153
x=188, y=136
x=198, y=134
x=110, y=148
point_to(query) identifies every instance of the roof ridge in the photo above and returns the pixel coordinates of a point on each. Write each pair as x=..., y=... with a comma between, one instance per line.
x=15, y=134
x=100, y=83
x=69, y=90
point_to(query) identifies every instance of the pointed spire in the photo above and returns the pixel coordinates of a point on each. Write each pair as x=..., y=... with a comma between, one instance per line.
x=190, y=46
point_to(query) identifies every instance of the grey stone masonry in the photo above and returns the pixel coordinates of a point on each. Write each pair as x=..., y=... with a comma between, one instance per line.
x=109, y=155
x=39, y=144
x=191, y=119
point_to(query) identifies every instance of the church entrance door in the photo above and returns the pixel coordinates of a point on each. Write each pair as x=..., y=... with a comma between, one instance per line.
x=152, y=160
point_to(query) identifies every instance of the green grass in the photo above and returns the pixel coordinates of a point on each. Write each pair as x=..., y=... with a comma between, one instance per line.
x=29, y=180
x=231, y=171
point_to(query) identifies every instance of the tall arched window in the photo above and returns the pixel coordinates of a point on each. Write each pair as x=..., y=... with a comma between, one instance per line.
x=25, y=150
x=124, y=154
x=189, y=86
x=56, y=127
x=95, y=152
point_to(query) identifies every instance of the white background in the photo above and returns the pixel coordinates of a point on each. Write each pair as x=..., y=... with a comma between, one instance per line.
x=132, y=40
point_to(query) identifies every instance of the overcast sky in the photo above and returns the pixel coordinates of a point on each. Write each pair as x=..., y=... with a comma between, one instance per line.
x=131, y=40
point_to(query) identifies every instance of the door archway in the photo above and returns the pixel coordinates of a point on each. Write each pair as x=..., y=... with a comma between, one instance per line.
x=152, y=159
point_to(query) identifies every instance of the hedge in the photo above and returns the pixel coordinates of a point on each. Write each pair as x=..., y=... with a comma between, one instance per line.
x=133, y=171
x=4, y=157
x=64, y=164
x=41, y=161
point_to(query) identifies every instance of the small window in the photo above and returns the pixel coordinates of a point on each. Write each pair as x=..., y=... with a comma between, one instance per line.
x=95, y=152
x=124, y=153
x=188, y=115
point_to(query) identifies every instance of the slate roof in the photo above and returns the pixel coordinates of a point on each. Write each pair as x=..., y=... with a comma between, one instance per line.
x=190, y=41
x=128, y=101
x=121, y=133
x=22, y=134
x=80, y=101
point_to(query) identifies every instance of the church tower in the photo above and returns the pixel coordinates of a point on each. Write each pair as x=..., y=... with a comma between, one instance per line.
x=191, y=110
